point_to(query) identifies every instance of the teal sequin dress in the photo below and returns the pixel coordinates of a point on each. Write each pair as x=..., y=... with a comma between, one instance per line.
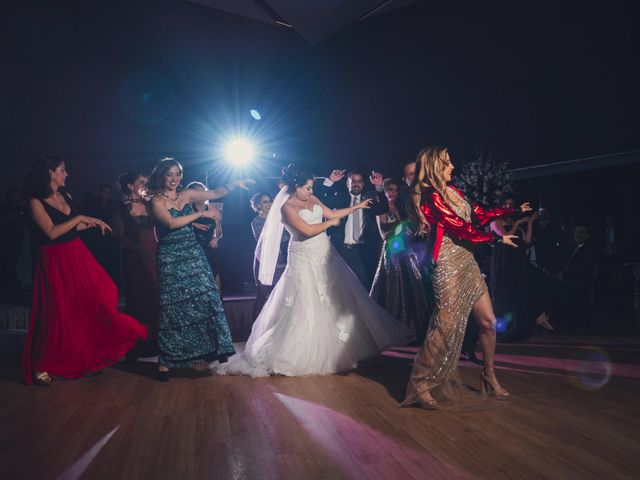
x=193, y=328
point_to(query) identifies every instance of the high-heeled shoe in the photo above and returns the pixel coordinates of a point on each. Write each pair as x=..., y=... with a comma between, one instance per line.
x=543, y=322
x=42, y=378
x=430, y=405
x=164, y=376
x=425, y=404
x=489, y=389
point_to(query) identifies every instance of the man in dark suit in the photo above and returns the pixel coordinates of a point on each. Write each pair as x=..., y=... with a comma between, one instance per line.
x=408, y=174
x=578, y=277
x=356, y=239
x=572, y=288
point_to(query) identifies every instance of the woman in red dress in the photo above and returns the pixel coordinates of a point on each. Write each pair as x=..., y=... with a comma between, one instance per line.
x=75, y=327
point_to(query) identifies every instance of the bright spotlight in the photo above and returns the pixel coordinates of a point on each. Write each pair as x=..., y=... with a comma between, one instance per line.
x=239, y=152
x=255, y=114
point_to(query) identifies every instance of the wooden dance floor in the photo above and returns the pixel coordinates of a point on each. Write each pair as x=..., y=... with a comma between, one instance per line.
x=573, y=414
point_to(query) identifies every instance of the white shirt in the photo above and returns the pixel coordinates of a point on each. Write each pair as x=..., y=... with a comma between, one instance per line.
x=354, y=226
x=352, y=237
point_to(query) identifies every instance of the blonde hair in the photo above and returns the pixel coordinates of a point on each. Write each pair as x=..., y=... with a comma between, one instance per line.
x=430, y=166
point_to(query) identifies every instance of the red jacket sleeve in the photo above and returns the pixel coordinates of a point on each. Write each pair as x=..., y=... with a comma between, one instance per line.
x=453, y=224
x=485, y=215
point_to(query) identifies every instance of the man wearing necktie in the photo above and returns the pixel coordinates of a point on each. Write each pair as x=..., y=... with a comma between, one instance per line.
x=356, y=239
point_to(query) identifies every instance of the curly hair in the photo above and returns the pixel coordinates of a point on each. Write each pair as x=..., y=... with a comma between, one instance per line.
x=38, y=182
x=293, y=177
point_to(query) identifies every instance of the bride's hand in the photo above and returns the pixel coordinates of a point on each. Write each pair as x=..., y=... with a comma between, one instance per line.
x=364, y=204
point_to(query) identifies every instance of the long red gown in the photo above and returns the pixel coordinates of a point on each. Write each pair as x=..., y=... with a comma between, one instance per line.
x=75, y=327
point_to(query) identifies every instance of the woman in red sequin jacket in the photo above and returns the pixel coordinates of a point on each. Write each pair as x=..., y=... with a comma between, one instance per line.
x=442, y=212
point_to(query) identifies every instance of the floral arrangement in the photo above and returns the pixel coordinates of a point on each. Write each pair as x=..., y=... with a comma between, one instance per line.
x=485, y=180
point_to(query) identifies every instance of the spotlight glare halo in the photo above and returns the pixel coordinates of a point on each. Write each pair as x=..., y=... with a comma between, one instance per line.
x=239, y=152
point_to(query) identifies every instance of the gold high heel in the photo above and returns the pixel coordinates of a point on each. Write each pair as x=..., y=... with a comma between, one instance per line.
x=489, y=389
x=543, y=322
x=431, y=404
x=42, y=378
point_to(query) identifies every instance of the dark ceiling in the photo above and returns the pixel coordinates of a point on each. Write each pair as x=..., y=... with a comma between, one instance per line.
x=313, y=20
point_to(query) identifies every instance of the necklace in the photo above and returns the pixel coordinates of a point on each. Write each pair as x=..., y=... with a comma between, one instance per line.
x=167, y=196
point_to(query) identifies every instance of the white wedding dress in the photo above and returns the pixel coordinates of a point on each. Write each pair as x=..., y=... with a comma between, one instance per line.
x=319, y=318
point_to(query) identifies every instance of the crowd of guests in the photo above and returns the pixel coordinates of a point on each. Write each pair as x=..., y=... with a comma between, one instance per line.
x=164, y=235
x=562, y=278
x=163, y=240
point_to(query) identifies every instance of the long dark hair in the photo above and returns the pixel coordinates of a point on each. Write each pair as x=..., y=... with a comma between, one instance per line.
x=128, y=178
x=293, y=177
x=156, y=179
x=38, y=182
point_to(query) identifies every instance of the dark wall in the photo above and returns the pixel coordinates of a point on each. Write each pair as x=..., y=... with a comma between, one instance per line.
x=112, y=84
x=534, y=82
x=587, y=197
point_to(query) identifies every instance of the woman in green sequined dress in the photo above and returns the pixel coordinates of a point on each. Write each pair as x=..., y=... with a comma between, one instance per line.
x=193, y=329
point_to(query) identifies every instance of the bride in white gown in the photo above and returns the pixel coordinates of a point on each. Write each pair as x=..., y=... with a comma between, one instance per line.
x=319, y=318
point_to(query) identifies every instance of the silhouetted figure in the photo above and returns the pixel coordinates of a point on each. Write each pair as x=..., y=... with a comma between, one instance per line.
x=578, y=278
x=105, y=248
x=12, y=225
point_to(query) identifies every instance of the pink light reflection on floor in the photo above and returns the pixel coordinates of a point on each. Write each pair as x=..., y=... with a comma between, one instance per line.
x=361, y=451
x=568, y=365
x=77, y=469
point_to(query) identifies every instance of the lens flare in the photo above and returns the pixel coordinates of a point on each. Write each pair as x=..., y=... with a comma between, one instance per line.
x=590, y=368
x=396, y=245
x=503, y=322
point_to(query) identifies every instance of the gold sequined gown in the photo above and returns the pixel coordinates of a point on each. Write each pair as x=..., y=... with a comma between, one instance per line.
x=457, y=285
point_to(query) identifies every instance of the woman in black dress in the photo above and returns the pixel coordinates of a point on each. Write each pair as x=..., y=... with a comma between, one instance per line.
x=133, y=228
x=75, y=327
